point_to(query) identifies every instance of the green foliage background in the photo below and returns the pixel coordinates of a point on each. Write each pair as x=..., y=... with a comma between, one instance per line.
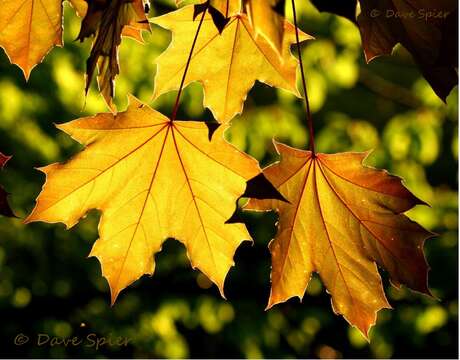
x=48, y=286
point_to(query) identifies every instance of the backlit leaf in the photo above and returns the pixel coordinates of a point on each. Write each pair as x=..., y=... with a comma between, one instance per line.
x=342, y=219
x=108, y=21
x=152, y=179
x=227, y=64
x=29, y=29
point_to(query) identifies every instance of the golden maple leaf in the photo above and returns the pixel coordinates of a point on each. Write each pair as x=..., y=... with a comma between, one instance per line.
x=342, y=219
x=227, y=64
x=29, y=29
x=152, y=179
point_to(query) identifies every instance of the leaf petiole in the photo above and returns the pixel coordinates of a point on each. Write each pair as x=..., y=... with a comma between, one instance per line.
x=176, y=105
x=304, y=83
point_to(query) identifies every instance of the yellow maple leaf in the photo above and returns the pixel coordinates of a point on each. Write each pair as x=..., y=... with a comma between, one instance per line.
x=227, y=64
x=29, y=29
x=152, y=179
x=342, y=218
